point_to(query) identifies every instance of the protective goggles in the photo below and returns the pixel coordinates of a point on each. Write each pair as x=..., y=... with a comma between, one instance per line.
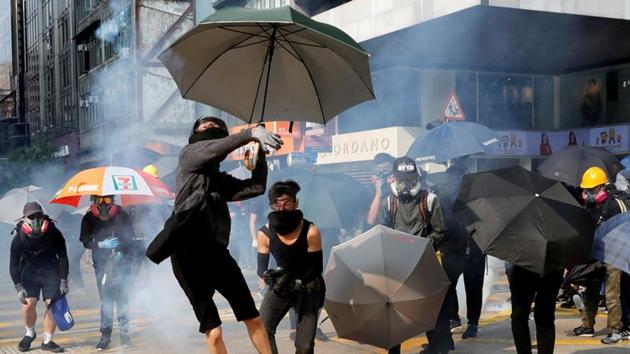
x=104, y=200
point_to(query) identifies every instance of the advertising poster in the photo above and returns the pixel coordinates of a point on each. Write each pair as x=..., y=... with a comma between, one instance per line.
x=614, y=138
x=574, y=137
x=542, y=143
x=511, y=143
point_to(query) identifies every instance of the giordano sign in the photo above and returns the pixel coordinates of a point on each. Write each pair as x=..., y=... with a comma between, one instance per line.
x=365, y=145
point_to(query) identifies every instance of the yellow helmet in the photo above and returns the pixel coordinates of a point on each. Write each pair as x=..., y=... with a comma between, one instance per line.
x=593, y=177
x=152, y=170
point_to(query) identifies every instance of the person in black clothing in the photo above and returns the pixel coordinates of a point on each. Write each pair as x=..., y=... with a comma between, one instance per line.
x=296, y=245
x=461, y=256
x=197, y=233
x=38, y=263
x=106, y=229
x=416, y=211
x=527, y=287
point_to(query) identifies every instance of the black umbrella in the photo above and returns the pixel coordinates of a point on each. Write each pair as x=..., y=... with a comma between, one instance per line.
x=569, y=165
x=525, y=218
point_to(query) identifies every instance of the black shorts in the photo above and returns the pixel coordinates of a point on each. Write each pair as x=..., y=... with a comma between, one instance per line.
x=46, y=281
x=200, y=274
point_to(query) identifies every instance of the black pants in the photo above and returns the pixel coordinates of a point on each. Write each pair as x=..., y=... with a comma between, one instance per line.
x=472, y=265
x=527, y=287
x=306, y=304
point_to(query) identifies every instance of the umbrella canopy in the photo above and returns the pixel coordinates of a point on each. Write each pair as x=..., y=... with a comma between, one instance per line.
x=331, y=200
x=134, y=186
x=569, y=165
x=12, y=203
x=611, y=244
x=384, y=287
x=626, y=161
x=525, y=218
x=452, y=140
x=277, y=63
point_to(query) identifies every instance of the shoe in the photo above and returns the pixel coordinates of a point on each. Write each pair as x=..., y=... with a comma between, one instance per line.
x=52, y=347
x=567, y=304
x=319, y=334
x=625, y=334
x=613, y=338
x=125, y=341
x=583, y=332
x=25, y=344
x=103, y=343
x=579, y=303
x=471, y=331
x=455, y=324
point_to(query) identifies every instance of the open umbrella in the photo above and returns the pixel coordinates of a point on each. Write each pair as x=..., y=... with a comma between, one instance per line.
x=452, y=140
x=527, y=219
x=277, y=63
x=384, y=287
x=13, y=201
x=134, y=186
x=611, y=244
x=331, y=200
x=569, y=165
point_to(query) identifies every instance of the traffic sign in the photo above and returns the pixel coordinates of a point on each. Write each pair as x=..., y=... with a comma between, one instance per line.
x=452, y=109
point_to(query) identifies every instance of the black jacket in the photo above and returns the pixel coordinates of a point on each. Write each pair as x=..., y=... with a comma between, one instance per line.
x=93, y=230
x=203, y=192
x=47, y=252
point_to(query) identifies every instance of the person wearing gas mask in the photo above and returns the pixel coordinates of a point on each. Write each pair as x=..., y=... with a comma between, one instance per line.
x=106, y=229
x=296, y=245
x=603, y=201
x=38, y=263
x=381, y=178
x=196, y=235
x=414, y=210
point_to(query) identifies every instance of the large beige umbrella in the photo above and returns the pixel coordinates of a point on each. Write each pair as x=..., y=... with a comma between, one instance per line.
x=384, y=287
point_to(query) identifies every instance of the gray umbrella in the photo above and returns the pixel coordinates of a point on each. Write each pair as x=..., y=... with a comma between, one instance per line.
x=276, y=64
x=384, y=287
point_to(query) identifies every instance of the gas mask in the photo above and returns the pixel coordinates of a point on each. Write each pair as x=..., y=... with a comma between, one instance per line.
x=594, y=197
x=104, y=207
x=35, y=226
x=406, y=188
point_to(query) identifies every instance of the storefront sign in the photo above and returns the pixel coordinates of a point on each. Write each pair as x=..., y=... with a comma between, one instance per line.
x=613, y=138
x=362, y=146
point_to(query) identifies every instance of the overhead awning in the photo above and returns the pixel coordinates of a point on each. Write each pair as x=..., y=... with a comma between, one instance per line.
x=490, y=38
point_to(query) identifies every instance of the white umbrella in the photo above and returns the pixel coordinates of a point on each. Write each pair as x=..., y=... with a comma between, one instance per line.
x=13, y=201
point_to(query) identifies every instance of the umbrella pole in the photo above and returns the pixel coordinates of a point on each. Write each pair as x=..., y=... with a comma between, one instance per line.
x=272, y=42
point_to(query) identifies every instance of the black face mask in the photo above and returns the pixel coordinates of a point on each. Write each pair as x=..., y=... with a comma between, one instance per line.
x=284, y=222
x=208, y=134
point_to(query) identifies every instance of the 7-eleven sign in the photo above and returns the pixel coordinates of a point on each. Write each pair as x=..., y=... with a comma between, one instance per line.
x=452, y=109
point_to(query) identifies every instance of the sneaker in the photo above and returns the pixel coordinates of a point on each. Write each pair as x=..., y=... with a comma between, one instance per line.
x=579, y=303
x=625, y=334
x=25, y=344
x=613, y=338
x=103, y=343
x=52, y=347
x=455, y=324
x=319, y=334
x=583, y=332
x=125, y=341
x=471, y=331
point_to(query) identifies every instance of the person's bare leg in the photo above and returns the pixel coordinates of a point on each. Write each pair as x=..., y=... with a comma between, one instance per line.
x=49, y=321
x=29, y=313
x=258, y=335
x=214, y=341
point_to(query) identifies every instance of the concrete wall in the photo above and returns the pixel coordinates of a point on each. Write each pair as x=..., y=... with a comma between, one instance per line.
x=601, y=8
x=365, y=19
